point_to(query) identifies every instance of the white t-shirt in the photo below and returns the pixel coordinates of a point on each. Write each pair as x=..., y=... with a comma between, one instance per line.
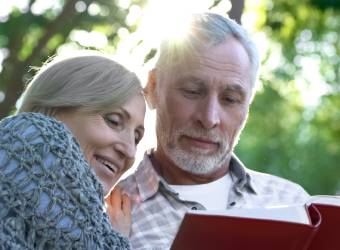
x=213, y=195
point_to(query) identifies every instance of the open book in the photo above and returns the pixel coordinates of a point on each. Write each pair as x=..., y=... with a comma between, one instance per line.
x=312, y=226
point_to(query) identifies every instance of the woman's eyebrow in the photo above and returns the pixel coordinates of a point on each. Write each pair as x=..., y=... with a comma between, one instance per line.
x=126, y=114
x=121, y=111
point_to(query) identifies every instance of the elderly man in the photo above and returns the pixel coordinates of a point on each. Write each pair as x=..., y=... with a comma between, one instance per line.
x=202, y=87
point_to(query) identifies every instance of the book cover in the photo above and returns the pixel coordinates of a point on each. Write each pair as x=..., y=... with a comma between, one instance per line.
x=302, y=227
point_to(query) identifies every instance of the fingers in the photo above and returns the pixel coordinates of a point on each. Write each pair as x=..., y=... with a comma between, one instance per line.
x=119, y=211
x=115, y=199
x=126, y=204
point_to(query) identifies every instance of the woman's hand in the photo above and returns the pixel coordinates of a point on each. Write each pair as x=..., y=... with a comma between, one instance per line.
x=119, y=211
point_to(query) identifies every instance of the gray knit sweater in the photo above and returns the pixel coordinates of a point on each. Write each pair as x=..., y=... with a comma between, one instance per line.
x=49, y=197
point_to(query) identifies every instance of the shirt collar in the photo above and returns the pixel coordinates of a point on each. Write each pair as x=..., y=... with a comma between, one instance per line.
x=149, y=181
x=240, y=176
x=147, y=178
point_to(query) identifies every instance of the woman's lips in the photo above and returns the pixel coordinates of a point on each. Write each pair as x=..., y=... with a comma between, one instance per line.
x=107, y=163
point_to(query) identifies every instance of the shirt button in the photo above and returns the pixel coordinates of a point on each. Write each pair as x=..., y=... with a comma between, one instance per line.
x=194, y=208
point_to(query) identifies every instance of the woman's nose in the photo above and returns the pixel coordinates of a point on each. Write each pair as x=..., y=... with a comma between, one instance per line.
x=127, y=146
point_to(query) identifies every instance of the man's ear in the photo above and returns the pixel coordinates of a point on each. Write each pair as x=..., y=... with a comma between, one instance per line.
x=150, y=90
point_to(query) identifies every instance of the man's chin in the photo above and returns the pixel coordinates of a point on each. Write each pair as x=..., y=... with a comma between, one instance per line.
x=197, y=166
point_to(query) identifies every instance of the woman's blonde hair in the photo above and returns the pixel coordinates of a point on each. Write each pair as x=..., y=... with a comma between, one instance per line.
x=91, y=83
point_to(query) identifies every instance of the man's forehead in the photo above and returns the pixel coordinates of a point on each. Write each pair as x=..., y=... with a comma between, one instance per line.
x=221, y=84
x=187, y=76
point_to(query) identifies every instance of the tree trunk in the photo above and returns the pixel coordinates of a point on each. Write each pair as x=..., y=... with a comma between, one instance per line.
x=14, y=77
x=236, y=10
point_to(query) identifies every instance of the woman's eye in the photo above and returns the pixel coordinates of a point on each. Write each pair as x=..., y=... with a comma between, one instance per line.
x=137, y=140
x=138, y=137
x=113, y=120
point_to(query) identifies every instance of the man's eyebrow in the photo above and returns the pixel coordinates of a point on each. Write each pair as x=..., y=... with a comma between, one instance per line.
x=230, y=87
x=235, y=88
x=191, y=79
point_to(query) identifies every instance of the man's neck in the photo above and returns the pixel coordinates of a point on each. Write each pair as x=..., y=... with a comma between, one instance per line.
x=174, y=175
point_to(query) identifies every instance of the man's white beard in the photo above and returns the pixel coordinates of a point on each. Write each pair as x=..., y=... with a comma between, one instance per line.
x=195, y=161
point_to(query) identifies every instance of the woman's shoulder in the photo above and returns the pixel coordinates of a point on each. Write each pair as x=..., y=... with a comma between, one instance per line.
x=44, y=178
x=33, y=139
x=30, y=125
x=29, y=129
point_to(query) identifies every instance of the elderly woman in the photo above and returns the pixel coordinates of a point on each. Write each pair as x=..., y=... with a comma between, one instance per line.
x=75, y=133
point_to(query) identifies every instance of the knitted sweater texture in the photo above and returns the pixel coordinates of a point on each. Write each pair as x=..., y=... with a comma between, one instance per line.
x=49, y=196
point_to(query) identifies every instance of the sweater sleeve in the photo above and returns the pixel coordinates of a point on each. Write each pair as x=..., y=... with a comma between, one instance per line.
x=49, y=197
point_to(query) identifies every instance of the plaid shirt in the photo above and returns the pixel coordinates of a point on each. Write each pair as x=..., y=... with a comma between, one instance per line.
x=157, y=210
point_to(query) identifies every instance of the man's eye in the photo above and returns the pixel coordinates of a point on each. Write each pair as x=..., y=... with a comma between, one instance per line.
x=231, y=99
x=191, y=92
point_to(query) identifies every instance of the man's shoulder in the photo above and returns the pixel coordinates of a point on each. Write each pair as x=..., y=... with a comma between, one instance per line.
x=261, y=178
x=284, y=190
x=129, y=184
x=143, y=183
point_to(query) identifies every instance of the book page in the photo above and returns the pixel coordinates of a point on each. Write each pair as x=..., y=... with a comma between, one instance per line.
x=325, y=199
x=296, y=214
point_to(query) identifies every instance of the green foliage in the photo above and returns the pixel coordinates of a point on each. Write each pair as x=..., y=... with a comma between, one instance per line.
x=326, y=4
x=30, y=37
x=285, y=135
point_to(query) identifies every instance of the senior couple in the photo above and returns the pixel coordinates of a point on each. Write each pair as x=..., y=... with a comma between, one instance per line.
x=76, y=132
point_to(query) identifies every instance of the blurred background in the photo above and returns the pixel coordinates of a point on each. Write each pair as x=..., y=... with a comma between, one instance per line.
x=293, y=129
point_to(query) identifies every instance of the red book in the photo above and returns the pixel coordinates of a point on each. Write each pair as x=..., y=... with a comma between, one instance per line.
x=312, y=226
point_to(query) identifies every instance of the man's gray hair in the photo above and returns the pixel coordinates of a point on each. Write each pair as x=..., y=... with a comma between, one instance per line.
x=205, y=30
x=91, y=83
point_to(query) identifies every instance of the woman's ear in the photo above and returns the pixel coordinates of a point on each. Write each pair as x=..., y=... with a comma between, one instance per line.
x=150, y=90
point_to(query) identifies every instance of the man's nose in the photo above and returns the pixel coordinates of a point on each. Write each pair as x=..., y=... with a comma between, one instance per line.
x=208, y=115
